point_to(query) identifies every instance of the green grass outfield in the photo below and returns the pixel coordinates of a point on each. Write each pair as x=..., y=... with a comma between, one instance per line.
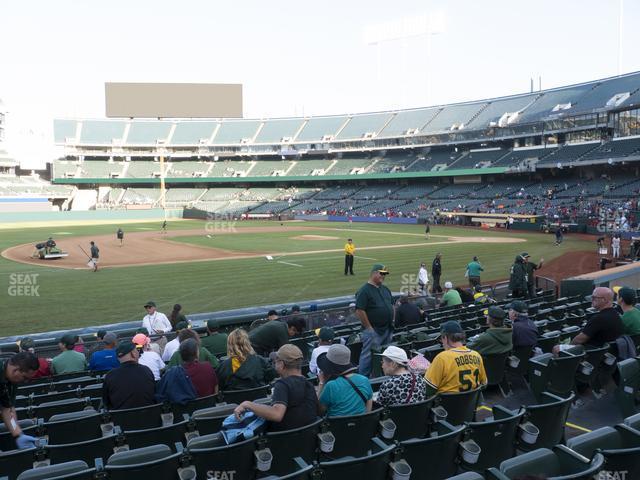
x=75, y=298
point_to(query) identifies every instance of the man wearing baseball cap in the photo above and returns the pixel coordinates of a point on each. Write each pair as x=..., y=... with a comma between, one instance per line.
x=68, y=361
x=374, y=308
x=497, y=338
x=105, y=359
x=403, y=386
x=518, y=278
x=155, y=322
x=27, y=344
x=349, y=251
x=294, y=400
x=148, y=357
x=457, y=369
x=325, y=339
x=525, y=332
x=530, y=267
x=631, y=315
x=451, y=297
x=130, y=385
x=215, y=341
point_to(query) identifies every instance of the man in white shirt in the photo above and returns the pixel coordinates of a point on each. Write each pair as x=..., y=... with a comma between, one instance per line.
x=174, y=344
x=148, y=357
x=326, y=336
x=155, y=322
x=423, y=279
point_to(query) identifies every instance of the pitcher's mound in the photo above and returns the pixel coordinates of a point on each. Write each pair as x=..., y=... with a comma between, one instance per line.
x=313, y=237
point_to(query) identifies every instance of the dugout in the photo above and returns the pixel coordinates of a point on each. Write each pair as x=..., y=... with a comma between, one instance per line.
x=627, y=275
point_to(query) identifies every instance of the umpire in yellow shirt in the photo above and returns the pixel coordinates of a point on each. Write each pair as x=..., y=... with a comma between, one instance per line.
x=457, y=369
x=349, y=250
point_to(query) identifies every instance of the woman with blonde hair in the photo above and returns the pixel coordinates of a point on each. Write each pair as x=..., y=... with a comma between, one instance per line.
x=243, y=368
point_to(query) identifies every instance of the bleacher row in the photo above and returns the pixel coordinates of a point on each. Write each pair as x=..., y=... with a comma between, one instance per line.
x=438, y=438
x=566, y=155
x=617, y=92
x=514, y=196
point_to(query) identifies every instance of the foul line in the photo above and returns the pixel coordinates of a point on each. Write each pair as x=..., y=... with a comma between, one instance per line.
x=289, y=263
x=366, y=258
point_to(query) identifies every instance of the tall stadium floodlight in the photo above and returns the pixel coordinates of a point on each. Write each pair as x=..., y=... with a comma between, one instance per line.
x=403, y=29
x=620, y=24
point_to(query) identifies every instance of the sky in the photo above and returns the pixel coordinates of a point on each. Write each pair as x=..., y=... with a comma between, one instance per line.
x=297, y=57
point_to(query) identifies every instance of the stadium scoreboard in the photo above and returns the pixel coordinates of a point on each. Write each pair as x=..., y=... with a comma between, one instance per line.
x=173, y=100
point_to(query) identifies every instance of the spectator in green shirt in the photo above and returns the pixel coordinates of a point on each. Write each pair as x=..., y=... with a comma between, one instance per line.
x=374, y=308
x=272, y=335
x=451, y=296
x=631, y=315
x=215, y=341
x=68, y=361
x=497, y=338
x=473, y=272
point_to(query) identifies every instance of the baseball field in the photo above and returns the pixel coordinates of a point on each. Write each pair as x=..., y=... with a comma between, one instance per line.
x=224, y=265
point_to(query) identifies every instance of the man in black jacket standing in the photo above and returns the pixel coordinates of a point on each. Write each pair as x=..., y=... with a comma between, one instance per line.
x=436, y=271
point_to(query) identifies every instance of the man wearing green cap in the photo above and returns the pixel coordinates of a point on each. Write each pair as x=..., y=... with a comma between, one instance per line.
x=631, y=315
x=68, y=361
x=530, y=268
x=374, y=308
x=215, y=341
x=457, y=369
x=497, y=338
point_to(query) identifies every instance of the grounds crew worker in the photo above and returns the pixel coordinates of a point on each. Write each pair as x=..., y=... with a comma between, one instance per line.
x=17, y=369
x=95, y=256
x=531, y=267
x=349, y=250
x=518, y=278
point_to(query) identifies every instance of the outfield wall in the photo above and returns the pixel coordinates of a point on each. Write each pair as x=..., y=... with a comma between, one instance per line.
x=88, y=215
x=341, y=218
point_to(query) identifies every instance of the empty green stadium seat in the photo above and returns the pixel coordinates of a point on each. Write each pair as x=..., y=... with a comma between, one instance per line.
x=435, y=456
x=495, y=436
x=460, y=406
x=628, y=385
x=74, y=427
x=373, y=465
x=412, y=420
x=155, y=461
x=557, y=464
x=348, y=432
x=211, y=453
x=299, y=442
x=76, y=470
x=554, y=374
x=620, y=446
x=549, y=416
